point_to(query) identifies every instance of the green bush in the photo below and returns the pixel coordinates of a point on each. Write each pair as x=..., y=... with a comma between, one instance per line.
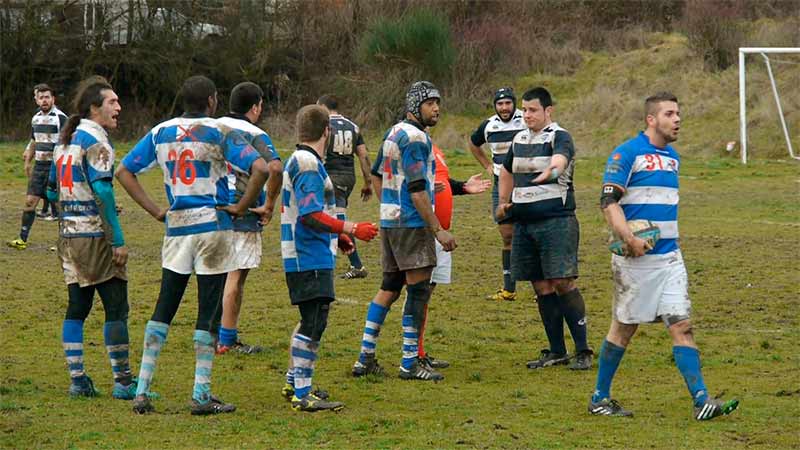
x=420, y=39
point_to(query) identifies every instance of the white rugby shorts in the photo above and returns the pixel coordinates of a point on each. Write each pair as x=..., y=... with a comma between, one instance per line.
x=649, y=287
x=444, y=266
x=247, y=249
x=208, y=253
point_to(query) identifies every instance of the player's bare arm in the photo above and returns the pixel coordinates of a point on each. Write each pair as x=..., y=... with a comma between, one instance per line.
x=504, y=187
x=258, y=176
x=422, y=202
x=27, y=157
x=479, y=155
x=615, y=218
x=131, y=184
x=558, y=163
x=365, y=164
x=274, y=183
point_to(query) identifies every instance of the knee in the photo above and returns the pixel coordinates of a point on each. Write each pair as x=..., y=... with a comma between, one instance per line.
x=681, y=330
x=313, y=325
x=30, y=202
x=621, y=334
x=564, y=285
x=393, y=282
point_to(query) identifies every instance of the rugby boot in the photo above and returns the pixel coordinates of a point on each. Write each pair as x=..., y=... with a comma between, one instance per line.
x=82, y=387
x=420, y=371
x=714, y=407
x=354, y=273
x=288, y=392
x=128, y=392
x=18, y=244
x=582, y=361
x=434, y=363
x=239, y=347
x=503, y=295
x=213, y=406
x=142, y=405
x=313, y=403
x=547, y=359
x=608, y=407
x=371, y=366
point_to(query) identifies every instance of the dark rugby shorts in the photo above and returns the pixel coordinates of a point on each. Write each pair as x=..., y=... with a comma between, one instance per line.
x=407, y=248
x=310, y=285
x=546, y=249
x=37, y=184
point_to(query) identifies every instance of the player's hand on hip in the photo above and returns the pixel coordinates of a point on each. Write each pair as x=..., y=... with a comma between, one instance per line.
x=476, y=184
x=366, y=192
x=120, y=255
x=162, y=215
x=264, y=214
x=345, y=244
x=447, y=240
x=502, y=210
x=365, y=231
x=235, y=210
x=637, y=247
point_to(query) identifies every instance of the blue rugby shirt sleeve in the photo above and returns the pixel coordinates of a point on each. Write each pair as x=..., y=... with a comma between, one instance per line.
x=99, y=162
x=142, y=156
x=563, y=145
x=618, y=168
x=478, y=137
x=238, y=152
x=263, y=144
x=309, y=190
x=414, y=161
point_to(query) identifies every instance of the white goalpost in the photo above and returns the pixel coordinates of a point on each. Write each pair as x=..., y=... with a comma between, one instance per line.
x=763, y=51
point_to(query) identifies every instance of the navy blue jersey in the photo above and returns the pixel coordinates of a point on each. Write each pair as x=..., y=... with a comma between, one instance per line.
x=345, y=138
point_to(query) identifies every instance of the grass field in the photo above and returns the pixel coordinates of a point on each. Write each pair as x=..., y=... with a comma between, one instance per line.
x=739, y=228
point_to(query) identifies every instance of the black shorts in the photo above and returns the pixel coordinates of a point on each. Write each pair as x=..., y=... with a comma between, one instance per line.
x=309, y=285
x=407, y=249
x=546, y=249
x=342, y=186
x=37, y=184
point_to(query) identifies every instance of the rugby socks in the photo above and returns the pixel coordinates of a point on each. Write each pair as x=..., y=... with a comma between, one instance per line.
x=553, y=321
x=290, y=376
x=413, y=314
x=355, y=260
x=204, y=358
x=607, y=364
x=574, y=310
x=27, y=223
x=155, y=335
x=421, y=347
x=304, y=356
x=116, y=339
x=508, y=281
x=72, y=341
x=228, y=336
x=376, y=314
x=688, y=361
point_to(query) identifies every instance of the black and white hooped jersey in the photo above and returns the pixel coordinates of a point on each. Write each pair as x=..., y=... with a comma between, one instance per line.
x=530, y=154
x=45, y=128
x=498, y=135
x=345, y=138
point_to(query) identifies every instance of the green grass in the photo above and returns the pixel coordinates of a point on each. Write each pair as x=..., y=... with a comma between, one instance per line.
x=739, y=228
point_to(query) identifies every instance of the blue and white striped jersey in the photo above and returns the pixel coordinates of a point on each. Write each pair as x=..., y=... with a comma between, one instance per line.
x=237, y=181
x=405, y=156
x=307, y=189
x=45, y=129
x=498, y=135
x=193, y=153
x=89, y=157
x=649, y=176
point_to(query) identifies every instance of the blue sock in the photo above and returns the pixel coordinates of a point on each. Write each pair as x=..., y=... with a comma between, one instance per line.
x=355, y=260
x=155, y=336
x=204, y=358
x=304, y=355
x=115, y=335
x=376, y=314
x=607, y=363
x=228, y=336
x=688, y=361
x=410, y=341
x=72, y=341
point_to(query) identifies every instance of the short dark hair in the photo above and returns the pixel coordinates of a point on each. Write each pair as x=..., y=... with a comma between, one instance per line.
x=43, y=87
x=329, y=101
x=244, y=96
x=651, y=103
x=195, y=93
x=311, y=123
x=538, y=93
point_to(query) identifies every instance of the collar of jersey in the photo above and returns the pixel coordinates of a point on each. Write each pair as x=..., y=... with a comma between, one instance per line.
x=193, y=115
x=647, y=141
x=418, y=125
x=308, y=149
x=236, y=115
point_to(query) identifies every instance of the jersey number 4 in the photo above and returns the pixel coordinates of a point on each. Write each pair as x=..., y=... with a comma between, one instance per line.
x=343, y=142
x=183, y=168
x=65, y=173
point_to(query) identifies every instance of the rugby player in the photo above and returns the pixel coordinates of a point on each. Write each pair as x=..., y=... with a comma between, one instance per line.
x=650, y=284
x=246, y=104
x=193, y=152
x=536, y=191
x=497, y=132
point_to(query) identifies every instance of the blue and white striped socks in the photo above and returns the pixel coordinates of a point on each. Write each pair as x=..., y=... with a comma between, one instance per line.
x=204, y=354
x=115, y=335
x=376, y=315
x=304, y=356
x=72, y=341
x=410, y=341
x=155, y=335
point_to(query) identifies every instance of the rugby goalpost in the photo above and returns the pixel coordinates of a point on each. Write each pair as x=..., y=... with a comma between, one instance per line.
x=763, y=51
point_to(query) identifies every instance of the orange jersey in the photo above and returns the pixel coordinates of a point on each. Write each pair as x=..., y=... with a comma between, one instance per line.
x=444, y=199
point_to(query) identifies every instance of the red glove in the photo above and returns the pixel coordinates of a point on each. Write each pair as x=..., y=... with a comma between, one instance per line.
x=365, y=231
x=345, y=244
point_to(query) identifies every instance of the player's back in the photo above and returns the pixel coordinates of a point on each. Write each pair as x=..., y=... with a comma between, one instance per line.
x=339, y=154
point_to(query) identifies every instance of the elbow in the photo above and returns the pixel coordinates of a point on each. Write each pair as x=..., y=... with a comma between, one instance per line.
x=275, y=169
